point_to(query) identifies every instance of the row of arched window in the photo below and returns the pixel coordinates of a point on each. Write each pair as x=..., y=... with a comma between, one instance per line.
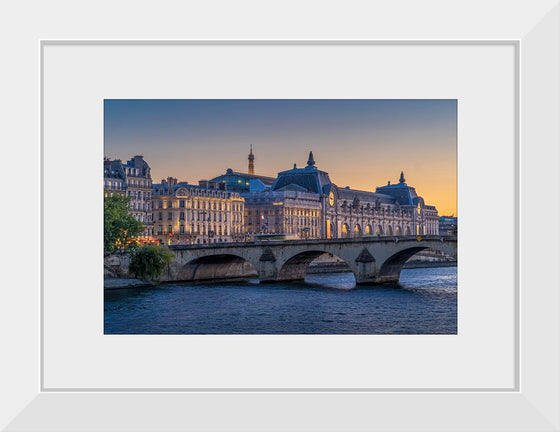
x=357, y=230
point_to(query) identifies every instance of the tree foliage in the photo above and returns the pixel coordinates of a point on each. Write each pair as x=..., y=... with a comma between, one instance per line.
x=120, y=227
x=148, y=262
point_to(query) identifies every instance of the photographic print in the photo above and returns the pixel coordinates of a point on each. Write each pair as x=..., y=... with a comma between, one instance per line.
x=304, y=216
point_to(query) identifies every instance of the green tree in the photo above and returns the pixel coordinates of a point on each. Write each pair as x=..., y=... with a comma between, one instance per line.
x=148, y=262
x=119, y=225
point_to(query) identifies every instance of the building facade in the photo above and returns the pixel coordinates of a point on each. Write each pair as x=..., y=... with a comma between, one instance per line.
x=134, y=180
x=305, y=202
x=448, y=225
x=291, y=212
x=114, y=179
x=190, y=214
x=424, y=218
x=299, y=203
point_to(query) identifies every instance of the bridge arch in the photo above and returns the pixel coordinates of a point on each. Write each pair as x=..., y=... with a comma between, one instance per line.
x=295, y=267
x=390, y=269
x=216, y=267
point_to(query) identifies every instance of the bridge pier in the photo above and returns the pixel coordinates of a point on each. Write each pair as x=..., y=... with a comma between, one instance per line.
x=366, y=281
x=367, y=268
x=267, y=267
x=386, y=279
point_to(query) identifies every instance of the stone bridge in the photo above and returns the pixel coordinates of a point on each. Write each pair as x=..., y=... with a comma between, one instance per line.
x=373, y=260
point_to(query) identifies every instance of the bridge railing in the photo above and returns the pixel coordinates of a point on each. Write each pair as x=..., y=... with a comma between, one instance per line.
x=276, y=243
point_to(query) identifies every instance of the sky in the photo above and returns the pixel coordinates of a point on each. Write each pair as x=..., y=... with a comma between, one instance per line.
x=361, y=143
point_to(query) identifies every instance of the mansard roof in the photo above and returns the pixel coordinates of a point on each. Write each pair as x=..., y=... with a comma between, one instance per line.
x=404, y=194
x=292, y=187
x=138, y=162
x=309, y=178
x=171, y=190
x=229, y=172
x=113, y=169
x=364, y=196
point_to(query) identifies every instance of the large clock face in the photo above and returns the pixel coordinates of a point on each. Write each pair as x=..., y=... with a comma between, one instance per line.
x=331, y=198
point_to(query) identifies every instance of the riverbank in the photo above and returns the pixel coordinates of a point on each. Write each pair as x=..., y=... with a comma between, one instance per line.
x=129, y=283
x=123, y=283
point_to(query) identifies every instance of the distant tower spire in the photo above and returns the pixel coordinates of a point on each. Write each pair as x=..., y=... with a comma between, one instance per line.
x=402, y=180
x=251, y=161
x=310, y=161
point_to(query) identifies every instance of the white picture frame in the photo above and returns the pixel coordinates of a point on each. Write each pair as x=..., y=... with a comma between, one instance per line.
x=531, y=404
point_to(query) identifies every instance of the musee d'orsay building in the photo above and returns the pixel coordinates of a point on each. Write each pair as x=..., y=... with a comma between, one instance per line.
x=304, y=202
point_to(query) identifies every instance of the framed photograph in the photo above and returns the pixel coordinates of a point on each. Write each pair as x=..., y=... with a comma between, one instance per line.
x=88, y=358
x=274, y=249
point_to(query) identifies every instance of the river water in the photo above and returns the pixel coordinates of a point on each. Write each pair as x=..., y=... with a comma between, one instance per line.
x=424, y=302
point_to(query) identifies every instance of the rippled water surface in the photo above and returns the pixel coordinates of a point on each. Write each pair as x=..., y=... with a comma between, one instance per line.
x=425, y=302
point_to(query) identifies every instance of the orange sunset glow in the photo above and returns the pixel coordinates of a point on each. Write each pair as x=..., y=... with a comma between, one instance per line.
x=360, y=143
